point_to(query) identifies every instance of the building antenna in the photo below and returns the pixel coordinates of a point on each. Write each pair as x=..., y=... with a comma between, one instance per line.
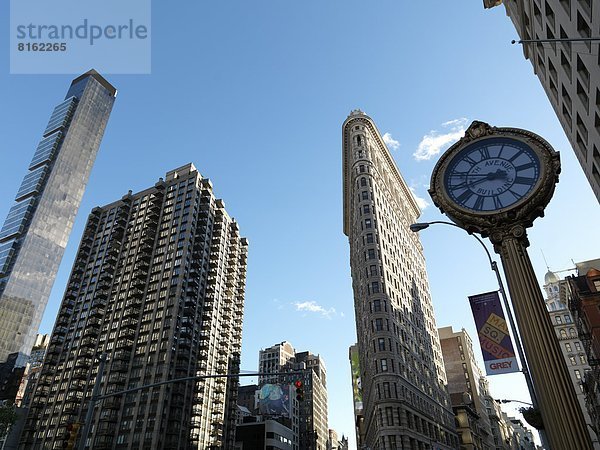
x=546, y=262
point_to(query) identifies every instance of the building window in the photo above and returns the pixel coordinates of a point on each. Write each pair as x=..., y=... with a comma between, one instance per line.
x=362, y=168
x=368, y=223
x=366, y=209
x=558, y=320
x=376, y=305
x=371, y=253
x=572, y=332
x=363, y=181
x=384, y=366
x=375, y=287
x=389, y=415
x=577, y=346
x=573, y=361
x=577, y=374
x=568, y=347
x=582, y=359
x=563, y=334
x=568, y=318
x=370, y=238
x=381, y=346
x=378, y=324
x=365, y=195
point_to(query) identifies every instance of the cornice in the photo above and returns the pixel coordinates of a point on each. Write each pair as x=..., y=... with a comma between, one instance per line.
x=346, y=156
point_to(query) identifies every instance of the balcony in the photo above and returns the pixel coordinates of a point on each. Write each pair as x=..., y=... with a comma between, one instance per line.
x=131, y=312
x=127, y=333
x=101, y=295
x=83, y=363
x=105, y=429
x=91, y=332
x=80, y=374
x=87, y=352
x=185, y=343
x=122, y=355
x=88, y=342
x=120, y=366
x=129, y=323
x=70, y=408
x=85, y=247
x=124, y=344
x=185, y=332
x=118, y=379
x=136, y=292
x=57, y=339
x=109, y=415
x=96, y=312
x=52, y=351
x=111, y=403
x=74, y=397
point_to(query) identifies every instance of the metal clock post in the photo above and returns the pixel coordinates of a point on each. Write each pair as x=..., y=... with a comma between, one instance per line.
x=496, y=182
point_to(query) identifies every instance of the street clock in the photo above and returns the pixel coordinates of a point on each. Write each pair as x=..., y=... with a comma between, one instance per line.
x=494, y=177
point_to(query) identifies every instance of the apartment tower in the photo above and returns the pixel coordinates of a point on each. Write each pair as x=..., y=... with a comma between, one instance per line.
x=157, y=286
x=568, y=70
x=35, y=233
x=405, y=401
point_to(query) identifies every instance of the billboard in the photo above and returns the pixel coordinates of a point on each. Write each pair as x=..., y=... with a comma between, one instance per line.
x=356, y=384
x=495, y=341
x=275, y=400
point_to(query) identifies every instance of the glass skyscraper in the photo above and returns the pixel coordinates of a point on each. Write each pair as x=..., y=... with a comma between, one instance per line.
x=36, y=231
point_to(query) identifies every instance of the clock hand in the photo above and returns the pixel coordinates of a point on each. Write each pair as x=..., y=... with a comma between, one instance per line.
x=498, y=174
x=478, y=181
x=474, y=175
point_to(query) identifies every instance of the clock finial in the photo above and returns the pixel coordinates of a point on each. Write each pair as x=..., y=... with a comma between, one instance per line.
x=478, y=129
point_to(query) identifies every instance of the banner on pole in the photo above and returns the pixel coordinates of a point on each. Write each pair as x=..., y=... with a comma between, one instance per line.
x=495, y=341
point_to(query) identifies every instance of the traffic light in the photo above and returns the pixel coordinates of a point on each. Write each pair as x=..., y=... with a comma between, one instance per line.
x=299, y=390
x=71, y=436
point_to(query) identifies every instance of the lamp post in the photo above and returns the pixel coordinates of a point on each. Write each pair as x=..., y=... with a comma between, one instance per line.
x=416, y=227
x=512, y=401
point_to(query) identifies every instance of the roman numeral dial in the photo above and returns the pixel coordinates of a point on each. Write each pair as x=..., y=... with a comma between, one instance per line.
x=492, y=174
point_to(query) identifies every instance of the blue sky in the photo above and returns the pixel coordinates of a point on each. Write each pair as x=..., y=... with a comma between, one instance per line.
x=254, y=94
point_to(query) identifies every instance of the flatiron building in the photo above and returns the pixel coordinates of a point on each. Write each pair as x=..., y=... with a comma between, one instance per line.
x=405, y=401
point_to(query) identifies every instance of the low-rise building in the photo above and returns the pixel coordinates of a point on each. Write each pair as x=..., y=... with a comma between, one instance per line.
x=464, y=376
x=584, y=303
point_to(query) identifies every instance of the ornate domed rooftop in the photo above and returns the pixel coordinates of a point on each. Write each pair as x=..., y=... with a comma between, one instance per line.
x=551, y=277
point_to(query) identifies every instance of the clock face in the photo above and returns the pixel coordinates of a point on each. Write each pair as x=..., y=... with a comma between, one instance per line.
x=492, y=174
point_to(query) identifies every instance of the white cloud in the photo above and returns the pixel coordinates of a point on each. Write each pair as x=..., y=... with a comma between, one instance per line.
x=391, y=142
x=314, y=307
x=437, y=141
x=420, y=200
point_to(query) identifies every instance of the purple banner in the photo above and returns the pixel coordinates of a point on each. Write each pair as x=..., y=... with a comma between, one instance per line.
x=496, y=345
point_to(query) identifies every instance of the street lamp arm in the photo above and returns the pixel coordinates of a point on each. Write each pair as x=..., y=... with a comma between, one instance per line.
x=514, y=401
x=416, y=227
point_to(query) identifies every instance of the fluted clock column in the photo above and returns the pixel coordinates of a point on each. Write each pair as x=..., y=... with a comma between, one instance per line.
x=563, y=419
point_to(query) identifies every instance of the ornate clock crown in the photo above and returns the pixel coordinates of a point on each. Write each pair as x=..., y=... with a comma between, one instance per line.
x=523, y=212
